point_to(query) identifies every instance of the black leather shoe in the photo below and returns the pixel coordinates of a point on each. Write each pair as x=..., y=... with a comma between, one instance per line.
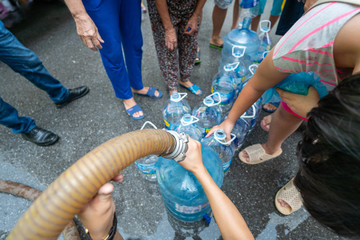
x=41, y=137
x=74, y=94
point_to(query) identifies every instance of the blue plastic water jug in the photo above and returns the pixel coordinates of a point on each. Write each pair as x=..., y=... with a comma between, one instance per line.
x=208, y=113
x=240, y=130
x=182, y=193
x=189, y=125
x=298, y=83
x=243, y=37
x=225, y=149
x=147, y=165
x=224, y=84
x=265, y=41
x=174, y=109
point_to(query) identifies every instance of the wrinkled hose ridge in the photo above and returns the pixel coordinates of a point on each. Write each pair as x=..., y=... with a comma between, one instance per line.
x=21, y=190
x=75, y=187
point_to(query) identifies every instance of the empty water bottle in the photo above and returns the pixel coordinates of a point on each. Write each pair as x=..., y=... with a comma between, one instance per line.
x=248, y=8
x=265, y=41
x=174, y=109
x=182, y=193
x=147, y=165
x=208, y=113
x=224, y=84
x=224, y=148
x=252, y=114
x=243, y=37
x=240, y=130
x=189, y=125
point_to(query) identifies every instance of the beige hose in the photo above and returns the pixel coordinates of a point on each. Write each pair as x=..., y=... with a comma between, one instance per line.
x=66, y=196
x=70, y=232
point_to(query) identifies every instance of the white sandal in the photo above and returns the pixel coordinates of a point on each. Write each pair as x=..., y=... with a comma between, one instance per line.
x=257, y=154
x=291, y=196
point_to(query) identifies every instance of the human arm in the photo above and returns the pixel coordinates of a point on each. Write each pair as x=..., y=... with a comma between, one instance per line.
x=266, y=76
x=191, y=25
x=170, y=33
x=97, y=215
x=228, y=218
x=85, y=26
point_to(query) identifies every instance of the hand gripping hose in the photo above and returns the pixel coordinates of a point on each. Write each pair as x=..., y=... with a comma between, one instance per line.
x=67, y=195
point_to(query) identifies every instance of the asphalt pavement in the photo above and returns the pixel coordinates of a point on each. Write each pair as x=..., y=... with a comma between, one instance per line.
x=86, y=123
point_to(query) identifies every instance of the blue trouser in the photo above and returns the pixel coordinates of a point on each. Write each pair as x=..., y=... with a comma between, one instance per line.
x=119, y=25
x=25, y=62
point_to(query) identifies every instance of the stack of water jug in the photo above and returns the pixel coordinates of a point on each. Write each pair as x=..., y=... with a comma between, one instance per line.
x=182, y=193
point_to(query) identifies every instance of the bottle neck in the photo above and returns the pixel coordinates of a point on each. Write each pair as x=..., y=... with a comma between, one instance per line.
x=246, y=22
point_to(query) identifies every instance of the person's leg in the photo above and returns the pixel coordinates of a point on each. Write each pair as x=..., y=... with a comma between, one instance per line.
x=106, y=17
x=168, y=60
x=236, y=10
x=187, y=45
x=218, y=18
x=255, y=21
x=25, y=62
x=9, y=118
x=283, y=124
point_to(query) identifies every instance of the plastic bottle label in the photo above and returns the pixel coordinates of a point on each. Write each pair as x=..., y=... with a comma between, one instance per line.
x=190, y=209
x=147, y=169
x=249, y=3
x=167, y=124
x=207, y=130
x=226, y=166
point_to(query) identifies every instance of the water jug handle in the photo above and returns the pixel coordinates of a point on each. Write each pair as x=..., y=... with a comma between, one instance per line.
x=265, y=53
x=253, y=67
x=148, y=122
x=265, y=25
x=242, y=51
x=182, y=96
x=232, y=66
x=233, y=136
x=253, y=115
x=193, y=120
x=215, y=103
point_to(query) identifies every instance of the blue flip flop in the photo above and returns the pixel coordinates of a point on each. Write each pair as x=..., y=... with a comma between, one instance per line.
x=193, y=89
x=151, y=93
x=276, y=104
x=131, y=111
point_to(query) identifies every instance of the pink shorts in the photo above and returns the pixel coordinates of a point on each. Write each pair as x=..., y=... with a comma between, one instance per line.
x=286, y=107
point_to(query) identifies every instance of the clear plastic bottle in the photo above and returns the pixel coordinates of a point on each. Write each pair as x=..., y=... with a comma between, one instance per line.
x=182, y=193
x=208, y=113
x=265, y=41
x=224, y=84
x=147, y=165
x=240, y=130
x=189, y=125
x=248, y=8
x=174, y=109
x=224, y=148
x=243, y=37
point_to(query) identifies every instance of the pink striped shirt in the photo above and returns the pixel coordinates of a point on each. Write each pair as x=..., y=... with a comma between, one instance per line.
x=308, y=45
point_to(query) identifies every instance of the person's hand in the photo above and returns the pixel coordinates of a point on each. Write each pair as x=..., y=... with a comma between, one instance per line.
x=226, y=125
x=191, y=26
x=97, y=215
x=300, y=104
x=193, y=161
x=88, y=32
x=170, y=39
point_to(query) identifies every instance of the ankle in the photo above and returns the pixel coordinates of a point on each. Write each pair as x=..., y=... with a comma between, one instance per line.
x=270, y=149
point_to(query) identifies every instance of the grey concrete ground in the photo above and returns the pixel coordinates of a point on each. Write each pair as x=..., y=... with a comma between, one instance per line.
x=50, y=32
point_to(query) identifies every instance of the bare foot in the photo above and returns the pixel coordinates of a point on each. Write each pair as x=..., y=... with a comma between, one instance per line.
x=265, y=123
x=245, y=155
x=145, y=90
x=173, y=91
x=189, y=84
x=130, y=103
x=216, y=40
x=284, y=204
x=270, y=107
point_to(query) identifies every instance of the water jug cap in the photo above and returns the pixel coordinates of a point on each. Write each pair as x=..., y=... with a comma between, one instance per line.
x=231, y=66
x=265, y=25
x=148, y=122
x=177, y=97
x=220, y=136
x=210, y=102
x=238, y=51
x=187, y=119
